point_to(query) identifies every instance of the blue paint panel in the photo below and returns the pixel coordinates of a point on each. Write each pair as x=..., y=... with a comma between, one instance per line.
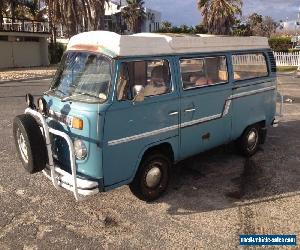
x=254, y=108
x=93, y=120
x=126, y=119
x=207, y=102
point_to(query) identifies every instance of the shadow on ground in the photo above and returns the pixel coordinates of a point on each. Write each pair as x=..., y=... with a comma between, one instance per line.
x=221, y=179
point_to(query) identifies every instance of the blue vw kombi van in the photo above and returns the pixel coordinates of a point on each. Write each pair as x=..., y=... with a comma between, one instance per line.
x=123, y=109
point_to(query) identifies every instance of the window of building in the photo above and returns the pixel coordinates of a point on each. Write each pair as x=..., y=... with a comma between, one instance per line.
x=27, y=39
x=248, y=66
x=154, y=76
x=201, y=72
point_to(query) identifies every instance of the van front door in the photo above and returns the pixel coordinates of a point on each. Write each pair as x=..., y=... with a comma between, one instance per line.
x=130, y=126
x=205, y=104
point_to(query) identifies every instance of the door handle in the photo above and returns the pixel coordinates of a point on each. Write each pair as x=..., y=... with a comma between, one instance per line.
x=173, y=113
x=189, y=110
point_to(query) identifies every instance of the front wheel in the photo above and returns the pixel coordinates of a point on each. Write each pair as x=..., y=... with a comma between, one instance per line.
x=249, y=142
x=152, y=177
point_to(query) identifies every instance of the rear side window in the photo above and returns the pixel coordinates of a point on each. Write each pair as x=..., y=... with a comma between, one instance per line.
x=153, y=75
x=201, y=72
x=248, y=66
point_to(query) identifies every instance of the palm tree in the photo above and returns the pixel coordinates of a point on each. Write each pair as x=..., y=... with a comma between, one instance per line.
x=2, y=11
x=219, y=15
x=33, y=10
x=99, y=12
x=134, y=14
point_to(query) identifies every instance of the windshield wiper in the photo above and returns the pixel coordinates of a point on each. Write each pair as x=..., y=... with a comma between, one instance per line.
x=76, y=95
x=48, y=91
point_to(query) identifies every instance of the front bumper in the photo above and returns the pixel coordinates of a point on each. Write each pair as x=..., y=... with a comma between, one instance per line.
x=60, y=178
x=65, y=180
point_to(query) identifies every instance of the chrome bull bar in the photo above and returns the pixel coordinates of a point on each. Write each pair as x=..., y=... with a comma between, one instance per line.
x=59, y=177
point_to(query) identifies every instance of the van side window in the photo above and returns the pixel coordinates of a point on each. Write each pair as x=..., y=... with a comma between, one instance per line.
x=248, y=66
x=154, y=75
x=203, y=71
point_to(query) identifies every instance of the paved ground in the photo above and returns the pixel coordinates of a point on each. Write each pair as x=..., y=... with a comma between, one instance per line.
x=212, y=198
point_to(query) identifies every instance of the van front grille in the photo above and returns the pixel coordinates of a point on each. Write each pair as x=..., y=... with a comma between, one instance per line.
x=61, y=153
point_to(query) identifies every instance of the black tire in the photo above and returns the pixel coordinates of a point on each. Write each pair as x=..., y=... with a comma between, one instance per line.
x=139, y=185
x=30, y=143
x=246, y=145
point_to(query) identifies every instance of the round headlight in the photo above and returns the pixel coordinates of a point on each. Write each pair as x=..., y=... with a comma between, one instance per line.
x=29, y=100
x=42, y=105
x=80, y=149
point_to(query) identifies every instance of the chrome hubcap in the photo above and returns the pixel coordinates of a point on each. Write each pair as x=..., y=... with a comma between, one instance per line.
x=252, y=139
x=22, y=146
x=153, y=177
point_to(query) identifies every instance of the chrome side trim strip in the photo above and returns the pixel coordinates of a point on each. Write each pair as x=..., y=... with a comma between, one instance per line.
x=226, y=108
x=143, y=135
x=201, y=120
x=251, y=92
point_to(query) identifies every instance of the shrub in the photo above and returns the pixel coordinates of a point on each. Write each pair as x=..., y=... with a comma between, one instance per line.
x=294, y=50
x=56, y=50
x=280, y=44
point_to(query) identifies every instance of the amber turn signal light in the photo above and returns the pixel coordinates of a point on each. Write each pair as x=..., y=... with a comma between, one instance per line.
x=77, y=123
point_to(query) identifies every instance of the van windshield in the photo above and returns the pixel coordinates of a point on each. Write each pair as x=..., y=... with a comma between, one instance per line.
x=82, y=76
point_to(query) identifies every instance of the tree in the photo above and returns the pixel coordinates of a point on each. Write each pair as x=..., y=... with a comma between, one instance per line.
x=269, y=26
x=134, y=14
x=200, y=29
x=2, y=12
x=33, y=10
x=75, y=15
x=254, y=21
x=261, y=26
x=242, y=28
x=255, y=25
x=219, y=15
x=166, y=27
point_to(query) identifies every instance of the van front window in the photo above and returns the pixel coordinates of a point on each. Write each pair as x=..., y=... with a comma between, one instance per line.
x=83, y=76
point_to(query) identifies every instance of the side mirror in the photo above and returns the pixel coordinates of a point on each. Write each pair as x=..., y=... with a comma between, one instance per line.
x=138, y=93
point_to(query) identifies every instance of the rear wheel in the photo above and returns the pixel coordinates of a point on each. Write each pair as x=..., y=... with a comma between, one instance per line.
x=152, y=177
x=249, y=142
x=30, y=143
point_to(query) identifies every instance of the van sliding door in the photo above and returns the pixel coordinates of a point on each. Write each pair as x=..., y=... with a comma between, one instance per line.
x=205, y=103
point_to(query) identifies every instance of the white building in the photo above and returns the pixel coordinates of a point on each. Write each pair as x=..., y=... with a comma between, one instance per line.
x=152, y=21
x=114, y=21
x=23, y=43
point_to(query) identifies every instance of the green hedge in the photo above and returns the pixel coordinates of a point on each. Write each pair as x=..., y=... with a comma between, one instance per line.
x=293, y=50
x=280, y=44
x=56, y=50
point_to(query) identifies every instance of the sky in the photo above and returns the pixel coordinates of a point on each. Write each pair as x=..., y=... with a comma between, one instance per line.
x=180, y=12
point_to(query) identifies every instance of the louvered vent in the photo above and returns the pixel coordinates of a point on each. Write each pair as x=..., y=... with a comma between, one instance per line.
x=272, y=61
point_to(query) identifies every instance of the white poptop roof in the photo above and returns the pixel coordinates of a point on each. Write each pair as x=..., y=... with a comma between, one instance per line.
x=116, y=45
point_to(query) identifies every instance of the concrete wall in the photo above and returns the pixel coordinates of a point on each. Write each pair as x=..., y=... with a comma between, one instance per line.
x=23, y=54
x=6, y=55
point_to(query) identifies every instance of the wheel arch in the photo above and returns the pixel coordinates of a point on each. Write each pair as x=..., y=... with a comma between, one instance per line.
x=168, y=148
